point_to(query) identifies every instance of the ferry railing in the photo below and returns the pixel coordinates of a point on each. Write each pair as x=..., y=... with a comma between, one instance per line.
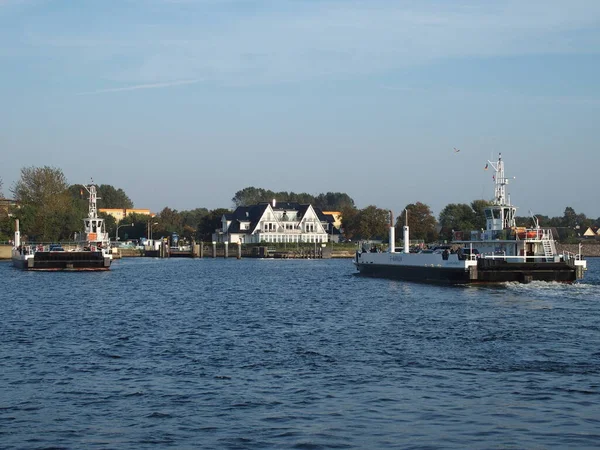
x=33, y=247
x=515, y=257
x=517, y=234
x=571, y=255
x=565, y=256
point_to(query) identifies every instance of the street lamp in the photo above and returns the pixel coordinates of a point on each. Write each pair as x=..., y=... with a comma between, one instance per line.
x=150, y=225
x=119, y=226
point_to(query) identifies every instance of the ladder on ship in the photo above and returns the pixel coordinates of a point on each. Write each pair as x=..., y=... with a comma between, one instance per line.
x=549, y=247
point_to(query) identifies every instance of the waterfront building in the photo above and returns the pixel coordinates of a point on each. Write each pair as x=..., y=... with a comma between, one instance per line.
x=120, y=213
x=285, y=222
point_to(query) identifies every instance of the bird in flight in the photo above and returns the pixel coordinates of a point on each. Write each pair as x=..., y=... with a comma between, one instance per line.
x=456, y=150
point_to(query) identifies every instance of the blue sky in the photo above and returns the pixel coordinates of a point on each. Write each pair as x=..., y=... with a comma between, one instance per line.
x=184, y=102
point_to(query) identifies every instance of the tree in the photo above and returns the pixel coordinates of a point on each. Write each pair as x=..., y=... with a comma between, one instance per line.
x=191, y=221
x=302, y=197
x=456, y=216
x=421, y=222
x=369, y=223
x=140, y=228
x=583, y=222
x=79, y=206
x=111, y=197
x=169, y=221
x=333, y=201
x=108, y=197
x=111, y=225
x=348, y=215
x=46, y=203
x=5, y=225
x=569, y=218
x=209, y=223
x=252, y=196
x=523, y=221
x=478, y=207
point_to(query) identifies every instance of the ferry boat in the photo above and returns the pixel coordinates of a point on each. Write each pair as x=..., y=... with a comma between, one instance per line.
x=502, y=252
x=91, y=253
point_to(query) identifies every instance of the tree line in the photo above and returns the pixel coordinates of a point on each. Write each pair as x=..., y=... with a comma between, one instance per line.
x=50, y=209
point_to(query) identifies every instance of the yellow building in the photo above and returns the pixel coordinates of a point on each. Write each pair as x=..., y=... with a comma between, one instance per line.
x=337, y=218
x=120, y=213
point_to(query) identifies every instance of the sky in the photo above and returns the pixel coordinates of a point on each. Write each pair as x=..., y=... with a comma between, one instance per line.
x=182, y=103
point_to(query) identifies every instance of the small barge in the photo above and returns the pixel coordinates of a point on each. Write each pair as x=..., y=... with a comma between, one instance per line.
x=501, y=253
x=92, y=252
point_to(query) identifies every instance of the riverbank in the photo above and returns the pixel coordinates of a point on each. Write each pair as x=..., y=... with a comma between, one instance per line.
x=589, y=250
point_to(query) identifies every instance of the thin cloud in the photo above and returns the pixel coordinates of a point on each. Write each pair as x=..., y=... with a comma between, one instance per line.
x=296, y=40
x=142, y=86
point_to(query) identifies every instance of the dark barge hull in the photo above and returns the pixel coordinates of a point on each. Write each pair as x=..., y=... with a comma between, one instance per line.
x=68, y=261
x=416, y=273
x=501, y=271
x=485, y=272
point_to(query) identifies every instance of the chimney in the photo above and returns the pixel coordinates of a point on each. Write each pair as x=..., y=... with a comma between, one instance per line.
x=274, y=203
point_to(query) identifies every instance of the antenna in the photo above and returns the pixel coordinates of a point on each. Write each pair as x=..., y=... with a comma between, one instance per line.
x=535, y=219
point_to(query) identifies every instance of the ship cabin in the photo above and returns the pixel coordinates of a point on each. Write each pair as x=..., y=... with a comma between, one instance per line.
x=94, y=229
x=502, y=239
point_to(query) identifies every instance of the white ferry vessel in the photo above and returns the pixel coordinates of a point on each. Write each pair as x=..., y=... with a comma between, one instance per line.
x=91, y=253
x=501, y=253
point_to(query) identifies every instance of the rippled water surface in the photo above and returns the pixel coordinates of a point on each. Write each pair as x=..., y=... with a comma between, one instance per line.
x=257, y=354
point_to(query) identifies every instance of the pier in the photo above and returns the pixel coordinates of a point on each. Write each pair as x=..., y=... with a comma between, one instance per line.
x=206, y=250
x=225, y=250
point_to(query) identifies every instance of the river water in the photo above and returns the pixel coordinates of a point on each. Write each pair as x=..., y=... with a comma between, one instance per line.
x=271, y=354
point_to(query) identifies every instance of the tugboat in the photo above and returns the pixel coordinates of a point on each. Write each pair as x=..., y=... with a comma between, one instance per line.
x=92, y=252
x=501, y=253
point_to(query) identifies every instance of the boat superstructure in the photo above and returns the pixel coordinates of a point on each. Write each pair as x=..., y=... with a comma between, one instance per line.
x=91, y=251
x=502, y=252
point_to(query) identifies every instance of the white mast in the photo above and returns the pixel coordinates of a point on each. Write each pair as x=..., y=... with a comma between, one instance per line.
x=392, y=233
x=92, y=210
x=500, y=182
x=501, y=214
x=17, y=234
x=94, y=227
x=405, y=230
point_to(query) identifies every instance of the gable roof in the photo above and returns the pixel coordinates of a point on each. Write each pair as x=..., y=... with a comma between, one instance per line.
x=254, y=213
x=251, y=214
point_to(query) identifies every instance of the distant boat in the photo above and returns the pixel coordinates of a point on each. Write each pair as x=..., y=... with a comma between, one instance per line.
x=501, y=253
x=91, y=253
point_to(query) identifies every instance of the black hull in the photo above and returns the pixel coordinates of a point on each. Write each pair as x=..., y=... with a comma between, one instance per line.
x=485, y=272
x=68, y=261
x=501, y=271
x=416, y=273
